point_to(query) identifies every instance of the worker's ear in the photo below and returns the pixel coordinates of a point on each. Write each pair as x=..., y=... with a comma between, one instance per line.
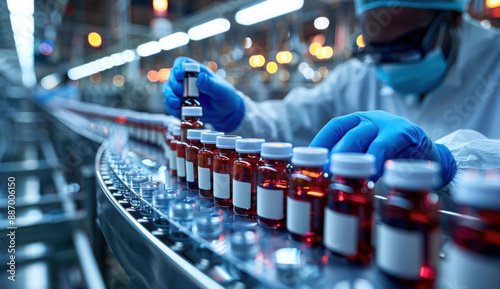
x=456, y=18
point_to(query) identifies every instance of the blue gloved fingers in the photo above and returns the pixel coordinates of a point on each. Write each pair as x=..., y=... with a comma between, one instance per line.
x=334, y=130
x=358, y=139
x=175, y=85
x=385, y=147
x=214, y=86
x=448, y=164
x=178, y=68
x=171, y=101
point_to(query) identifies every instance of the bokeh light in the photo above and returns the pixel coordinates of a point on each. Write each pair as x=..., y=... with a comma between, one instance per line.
x=118, y=80
x=257, y=61
x=153, y=76
x=46, y=47
x=96, y=77
x=360, y=41
x=164, y=74
x=95, y=39
x=272, y=67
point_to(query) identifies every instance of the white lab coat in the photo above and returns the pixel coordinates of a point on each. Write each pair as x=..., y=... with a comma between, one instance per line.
x=469, y=98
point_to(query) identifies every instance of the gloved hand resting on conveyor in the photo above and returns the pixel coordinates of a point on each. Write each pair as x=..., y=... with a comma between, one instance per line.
x=385, y=136
x=223, y=105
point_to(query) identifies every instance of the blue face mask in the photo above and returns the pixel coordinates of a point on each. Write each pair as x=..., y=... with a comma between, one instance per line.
x=415, y=78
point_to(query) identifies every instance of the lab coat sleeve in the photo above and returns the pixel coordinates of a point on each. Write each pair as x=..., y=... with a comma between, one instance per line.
x=297, y=118
x=471, y=149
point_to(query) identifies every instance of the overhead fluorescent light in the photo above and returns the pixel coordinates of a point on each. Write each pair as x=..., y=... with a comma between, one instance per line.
x=25, y=7
x=50, y=81
x=128, y=55
x=208, y=29
x=267, y=10
x=148, y=49
x=174, y=40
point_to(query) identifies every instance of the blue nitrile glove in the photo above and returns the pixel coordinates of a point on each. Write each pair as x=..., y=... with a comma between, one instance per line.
x=385, y=136
x=222, y=105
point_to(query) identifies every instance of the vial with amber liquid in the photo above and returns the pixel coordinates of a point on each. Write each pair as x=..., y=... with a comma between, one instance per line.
x=172, y=157
x=407, y=238
x=223, y=170
x=191, y=120
x=206, y=163
x=273, y=184
x=473, y=257
x=245, y=176
x=193, y=147
x=307, y=195
x=191, y=93
x=349, y=212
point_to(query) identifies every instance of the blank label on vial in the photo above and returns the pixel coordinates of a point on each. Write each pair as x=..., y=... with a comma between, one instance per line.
x=242, y=194
x=204, y=178
x=298, y=216
x=181, y=167
x=341, y=232
x=190, y=87
x=399, y=252
x=270, y=203
x=189, y=171
x=167, y=152
x=172, y=160
x=221, y=186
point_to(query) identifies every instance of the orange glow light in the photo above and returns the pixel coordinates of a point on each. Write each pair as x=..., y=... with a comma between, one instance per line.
x=316, y=194
x=492, y=3
x=95, y=39
x=360, y=41
x=212, y=65
x=153, y=76
x=257, y=61
x=272, y=67
x=314, y=47
x=163, y=74
x=284, y=57
x=160, y=7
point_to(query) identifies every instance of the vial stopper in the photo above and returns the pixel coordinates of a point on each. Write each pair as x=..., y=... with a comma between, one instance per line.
x=192, y=111
x=210, y=137
x=195, y=134
x=227, y=141
x=249, y=145
x=191, y=67
x=309, y=157
x=412, y=174
x=276, y=150
x=353, y=165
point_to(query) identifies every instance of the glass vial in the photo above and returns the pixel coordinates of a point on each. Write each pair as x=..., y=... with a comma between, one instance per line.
x=273, y=184
x=147, y=189
x=206, y=163
x=161, y=201
x=349, y=212
x=191, y=120
x=190, y=94
x=409, y=220
x=223, y=170
x=168, y=137
x=136, y=181
x=245, y=173
x=193, y=147
x=473, y=257
x=172, y=159
x=307, y=195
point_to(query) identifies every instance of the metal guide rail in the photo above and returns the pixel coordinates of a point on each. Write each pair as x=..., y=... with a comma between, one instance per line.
x=214, y=248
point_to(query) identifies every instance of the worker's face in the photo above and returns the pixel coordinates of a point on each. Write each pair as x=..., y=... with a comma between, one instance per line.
x=389, y=24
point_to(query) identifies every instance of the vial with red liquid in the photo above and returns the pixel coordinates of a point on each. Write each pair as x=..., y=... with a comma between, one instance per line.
x=273, y=184
x=223, y=170
x=191, y=120
x=193, y=147
x=307, y=195
x=349, y=212
x=172, y=159
x=245, y=176
x=407, y=238
x=473, y=257
x=190, y=94
x=168, y=137
x=206, y=163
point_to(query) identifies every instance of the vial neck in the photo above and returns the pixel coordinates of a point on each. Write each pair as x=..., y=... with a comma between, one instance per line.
x=194, y=142
x=209, y=146
x=191, y=119
x=249, y=156
x=227, y=151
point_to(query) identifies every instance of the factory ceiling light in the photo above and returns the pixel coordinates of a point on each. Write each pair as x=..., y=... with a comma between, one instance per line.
x=208, y=29
x=174, y=40
x=267, y=10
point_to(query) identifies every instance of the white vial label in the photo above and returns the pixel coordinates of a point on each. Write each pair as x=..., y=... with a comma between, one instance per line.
x=466, y=269
x=221, y=186
x=189, y=171
x=204, y=178
x=172, y=160
x=341, y=232
x=190, y=87
x=242, y=194
x=269, y=203
x=399, y=252
x=181, y=167
x=298, y=216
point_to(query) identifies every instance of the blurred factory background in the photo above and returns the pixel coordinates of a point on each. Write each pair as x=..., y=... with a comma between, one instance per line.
x=118, y=53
